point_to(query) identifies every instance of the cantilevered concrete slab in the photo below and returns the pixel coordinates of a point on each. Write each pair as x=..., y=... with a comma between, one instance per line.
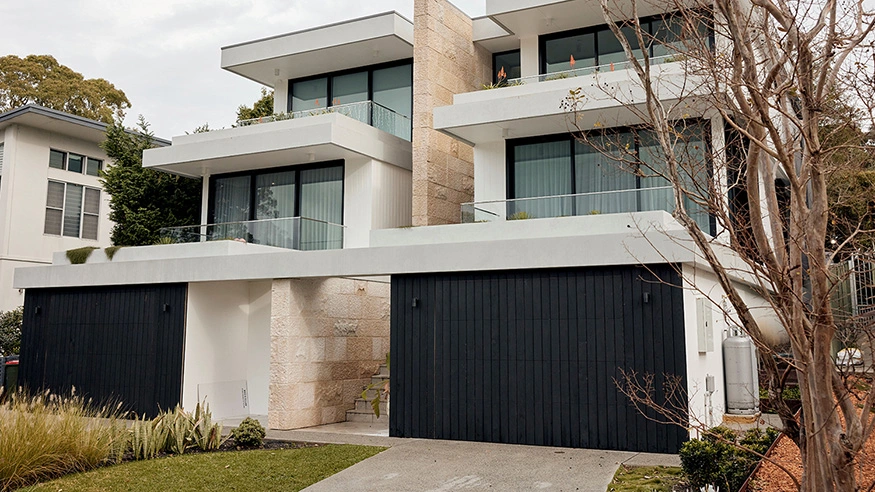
x=356, y=43
x=280, y=143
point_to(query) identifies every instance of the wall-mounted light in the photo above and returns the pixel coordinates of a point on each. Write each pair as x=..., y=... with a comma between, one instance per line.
x=647, y=298
x=276, y=72
x=166, y=308
x=415, y=302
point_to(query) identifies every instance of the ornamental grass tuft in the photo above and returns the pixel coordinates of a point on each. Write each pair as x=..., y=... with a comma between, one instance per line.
x=45, y=436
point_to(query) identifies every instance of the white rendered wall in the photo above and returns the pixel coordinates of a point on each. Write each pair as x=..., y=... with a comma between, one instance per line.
x=376, y=195
x=357, y=202
x=281, y=96
x=698, y=284
x=23, y=200
x=392, y=190
x=530, y=64
x=228, y=339
x=490, y=173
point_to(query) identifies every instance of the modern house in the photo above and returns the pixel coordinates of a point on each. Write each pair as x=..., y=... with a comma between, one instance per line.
x=305, y=270
x=50, y=195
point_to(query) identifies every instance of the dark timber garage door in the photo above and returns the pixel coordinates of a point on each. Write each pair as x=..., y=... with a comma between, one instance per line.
x=119, y=343
x=530, y=357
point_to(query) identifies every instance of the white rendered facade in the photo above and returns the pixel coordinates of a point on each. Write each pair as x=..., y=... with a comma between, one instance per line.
x=28, y=135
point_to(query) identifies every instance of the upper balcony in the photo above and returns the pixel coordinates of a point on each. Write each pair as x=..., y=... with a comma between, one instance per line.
x=544, y=49
x=532, y=106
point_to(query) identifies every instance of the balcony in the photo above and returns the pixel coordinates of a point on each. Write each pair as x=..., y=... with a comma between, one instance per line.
x=319, y=137
x=580, y=72
x=298, y=233
x=596, y=203
x=609, y=96
x=368, y=112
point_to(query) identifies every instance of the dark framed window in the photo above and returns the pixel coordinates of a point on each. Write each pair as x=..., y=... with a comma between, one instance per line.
x=598, y=46
x=388, y=85
x=243, y=204
x=509, y=61
x=72, y=210
x=314, y=192
x=76, y=163
x=617, y=170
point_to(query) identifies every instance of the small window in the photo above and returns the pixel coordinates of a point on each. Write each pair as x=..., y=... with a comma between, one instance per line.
x=57, y=159
x=94, y=167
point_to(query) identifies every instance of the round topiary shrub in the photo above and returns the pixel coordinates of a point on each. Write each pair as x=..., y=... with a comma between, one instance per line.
x=249, y=434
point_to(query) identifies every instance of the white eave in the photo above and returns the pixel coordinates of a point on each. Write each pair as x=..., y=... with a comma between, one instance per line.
x=526, y=18
x=281, y=143
x=360, y=42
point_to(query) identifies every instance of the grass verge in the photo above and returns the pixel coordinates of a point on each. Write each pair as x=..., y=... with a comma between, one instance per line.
x=262, y=470
x=647, y=479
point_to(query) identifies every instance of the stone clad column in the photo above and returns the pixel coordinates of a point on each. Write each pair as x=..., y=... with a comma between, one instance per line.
x=328, y=337
x=446, y=62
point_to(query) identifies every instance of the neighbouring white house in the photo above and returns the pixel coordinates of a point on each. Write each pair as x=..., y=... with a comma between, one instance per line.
x=50, y=194
x=373, y=213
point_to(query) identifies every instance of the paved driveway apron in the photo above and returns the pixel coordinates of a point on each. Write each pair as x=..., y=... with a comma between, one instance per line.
x=429, y=465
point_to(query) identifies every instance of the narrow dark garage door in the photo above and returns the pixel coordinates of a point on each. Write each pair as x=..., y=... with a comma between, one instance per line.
x=111, y=343
x=530, y=357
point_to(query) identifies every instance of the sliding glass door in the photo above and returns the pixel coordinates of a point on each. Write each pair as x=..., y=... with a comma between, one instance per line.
x=253, y=207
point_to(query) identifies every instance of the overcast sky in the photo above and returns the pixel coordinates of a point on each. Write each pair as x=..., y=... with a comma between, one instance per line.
x=164, y=54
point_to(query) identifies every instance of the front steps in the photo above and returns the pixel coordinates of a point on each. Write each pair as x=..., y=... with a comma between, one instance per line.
x=363, y=411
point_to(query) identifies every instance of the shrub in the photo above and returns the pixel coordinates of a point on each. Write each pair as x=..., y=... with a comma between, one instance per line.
x=249, y=434
x=10, y=331
x=174, y=432
x=45, y=436
x=715, y=460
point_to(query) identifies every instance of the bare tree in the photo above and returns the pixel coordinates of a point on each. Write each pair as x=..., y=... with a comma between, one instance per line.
x=789, y=78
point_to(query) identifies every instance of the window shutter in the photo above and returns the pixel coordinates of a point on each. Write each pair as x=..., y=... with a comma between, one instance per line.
x=73, y=210
x=1, y=157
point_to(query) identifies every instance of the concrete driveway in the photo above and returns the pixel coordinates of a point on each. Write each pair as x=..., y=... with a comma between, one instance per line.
x=429, y=465
x=440, y=466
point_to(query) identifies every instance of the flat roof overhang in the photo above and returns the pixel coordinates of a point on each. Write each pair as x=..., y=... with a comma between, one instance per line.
x=360, y=42
x=280, y=143
x=534, y=109
x=535, y=17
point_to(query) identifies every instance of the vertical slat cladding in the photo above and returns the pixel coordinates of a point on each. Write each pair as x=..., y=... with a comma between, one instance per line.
x=531, y=356
x=109, y=342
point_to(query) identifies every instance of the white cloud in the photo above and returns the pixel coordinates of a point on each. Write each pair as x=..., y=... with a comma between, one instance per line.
x=165, y=53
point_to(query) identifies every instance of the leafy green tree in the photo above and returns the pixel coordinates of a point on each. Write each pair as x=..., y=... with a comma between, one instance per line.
x=10, y=331
x=142, y=201
x=40, y=79
x=261, y=107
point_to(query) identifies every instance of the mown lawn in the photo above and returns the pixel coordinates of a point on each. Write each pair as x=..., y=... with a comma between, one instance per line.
x=262, y=470
x=646, y=479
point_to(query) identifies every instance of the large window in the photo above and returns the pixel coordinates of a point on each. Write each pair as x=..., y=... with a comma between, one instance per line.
x=612, y=171
x=389, y=86
x=507, y=64
x=76, y=163
x=313, y=193
x=598, y=46
x=72, y=210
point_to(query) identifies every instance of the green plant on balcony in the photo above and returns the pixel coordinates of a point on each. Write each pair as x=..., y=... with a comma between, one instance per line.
x=521, y=215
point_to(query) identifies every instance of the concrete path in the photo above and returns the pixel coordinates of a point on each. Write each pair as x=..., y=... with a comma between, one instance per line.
x=438, y=466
